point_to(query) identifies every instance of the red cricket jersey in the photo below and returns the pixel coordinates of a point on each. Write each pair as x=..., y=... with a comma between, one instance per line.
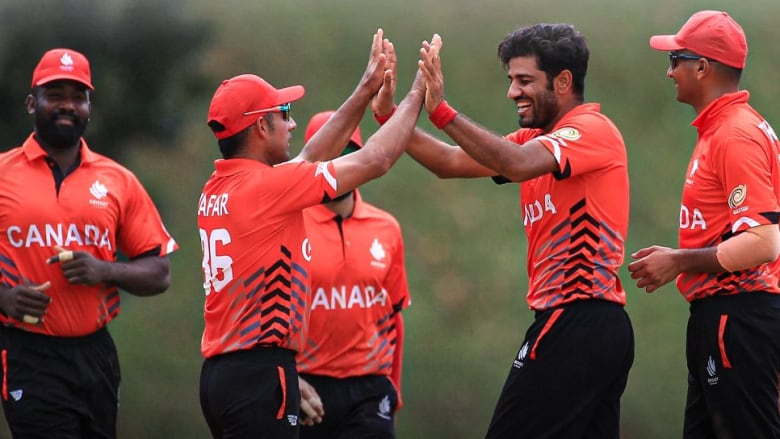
x=256, y=253
x=732, y=184
x=358, y=284
x=101, y=208
x=576, y=219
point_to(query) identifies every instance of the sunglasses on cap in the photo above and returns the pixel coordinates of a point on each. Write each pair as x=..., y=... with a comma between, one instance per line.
x=675, y=58
x=284, y=109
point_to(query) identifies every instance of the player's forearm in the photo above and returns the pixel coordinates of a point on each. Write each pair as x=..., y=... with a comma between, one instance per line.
x=390, y=141
x=444, y=160
x=145, y=276
x=329, y=141
x=697, y=260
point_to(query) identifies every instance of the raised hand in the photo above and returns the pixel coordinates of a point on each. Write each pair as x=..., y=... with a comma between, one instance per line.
x=430, y=66
x=374, y=75
x=383, y=103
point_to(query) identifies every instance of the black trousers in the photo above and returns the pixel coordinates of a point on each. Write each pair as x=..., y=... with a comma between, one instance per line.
x=355, y=408
x=568, y=376
x=59, y=387
x=733, y=355
x=251, y=393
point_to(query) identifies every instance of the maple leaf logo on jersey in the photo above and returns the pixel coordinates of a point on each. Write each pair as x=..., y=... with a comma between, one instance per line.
x=377, y=251
x=98, y=190
x=694, y=167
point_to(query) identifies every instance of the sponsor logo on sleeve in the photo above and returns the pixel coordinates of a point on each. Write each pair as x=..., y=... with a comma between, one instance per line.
x=737, y=197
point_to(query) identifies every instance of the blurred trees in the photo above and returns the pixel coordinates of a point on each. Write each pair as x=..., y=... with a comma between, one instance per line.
x=157, y=63
x=144, y=57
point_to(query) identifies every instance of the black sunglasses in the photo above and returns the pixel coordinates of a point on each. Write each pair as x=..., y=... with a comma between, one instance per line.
x=674, y=58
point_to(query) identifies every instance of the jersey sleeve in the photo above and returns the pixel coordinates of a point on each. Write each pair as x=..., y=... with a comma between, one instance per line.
x=520, y=137
x=398, y=359
x=398, y=288
x=396, y=283
x=749, y=169
x=314, y=183
x=584, y=144
x=141, y=229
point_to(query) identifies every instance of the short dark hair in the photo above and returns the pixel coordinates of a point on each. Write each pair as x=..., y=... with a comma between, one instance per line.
x=229, y=146
x=557, y=47
x=733, y=73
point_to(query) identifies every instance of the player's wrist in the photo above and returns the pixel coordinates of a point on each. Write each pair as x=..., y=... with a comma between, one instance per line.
x=442, y=115
x=382, y=119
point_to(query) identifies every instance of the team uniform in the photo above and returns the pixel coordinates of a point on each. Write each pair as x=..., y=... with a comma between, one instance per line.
x=733, y=351
x=256, y=279
x=99, y=207
x=352, y=354
x=572, y=367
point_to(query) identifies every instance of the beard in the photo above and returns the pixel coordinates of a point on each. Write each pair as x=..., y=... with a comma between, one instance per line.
x=545, y=110
x=59, y=136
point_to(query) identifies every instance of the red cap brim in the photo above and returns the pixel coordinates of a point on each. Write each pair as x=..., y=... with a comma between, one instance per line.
x=69, y=77
x=290, y=94
x=665, y=43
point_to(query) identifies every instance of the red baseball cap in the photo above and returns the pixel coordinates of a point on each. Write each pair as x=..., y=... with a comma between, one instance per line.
x=62, y=64
x=246, y=93
x=711, y=34
x=318, y=120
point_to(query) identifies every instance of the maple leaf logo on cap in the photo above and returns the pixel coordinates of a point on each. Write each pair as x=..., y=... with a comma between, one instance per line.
x=66, y=62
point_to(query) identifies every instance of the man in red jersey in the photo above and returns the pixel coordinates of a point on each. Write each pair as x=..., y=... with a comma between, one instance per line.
x=353, y=350
x=255, y=250
x=570, y=371
x=65, y=213
x=726, y=266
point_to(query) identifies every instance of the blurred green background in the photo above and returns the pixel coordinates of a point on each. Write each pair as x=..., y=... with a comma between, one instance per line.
x=156, y=64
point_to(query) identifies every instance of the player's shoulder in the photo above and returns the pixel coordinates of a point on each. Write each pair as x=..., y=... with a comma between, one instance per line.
x=110, y=169
x=100, y=161
x=11, y=155
x=371, y=212
x=744, y=123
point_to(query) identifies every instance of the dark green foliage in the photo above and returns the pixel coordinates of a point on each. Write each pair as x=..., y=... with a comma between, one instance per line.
x=144, y=57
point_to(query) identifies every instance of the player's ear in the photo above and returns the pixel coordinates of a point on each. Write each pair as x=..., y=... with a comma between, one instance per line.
x=30, y=104
x=562, y=82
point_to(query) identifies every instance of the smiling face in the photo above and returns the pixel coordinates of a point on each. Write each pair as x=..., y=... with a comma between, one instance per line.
x=61, y=110
x=683, y=73
x=529, y=87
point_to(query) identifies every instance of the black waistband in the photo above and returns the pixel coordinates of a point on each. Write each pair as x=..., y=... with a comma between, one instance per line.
x=34, y=337
x=259, y=352
x=578, y=304
x=743, y=300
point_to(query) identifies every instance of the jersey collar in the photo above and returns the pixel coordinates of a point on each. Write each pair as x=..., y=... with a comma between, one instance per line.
x=225, y=167
x=591, y=107
x=714, y=109
x=33, y=150
x=321, y=214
